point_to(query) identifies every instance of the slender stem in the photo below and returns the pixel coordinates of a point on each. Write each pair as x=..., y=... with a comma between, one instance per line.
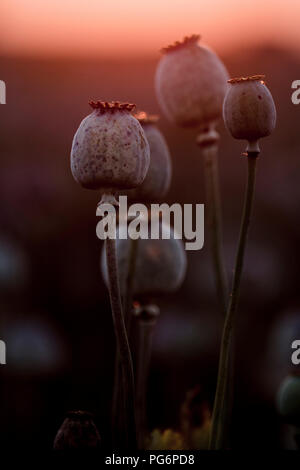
x=133, y=253
x=144, y=354
x=117, y=405
x=210, y=153
x=123, y=349
x=220, y=421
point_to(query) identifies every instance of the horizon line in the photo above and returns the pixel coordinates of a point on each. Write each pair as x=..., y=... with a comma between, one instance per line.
x=147, y=55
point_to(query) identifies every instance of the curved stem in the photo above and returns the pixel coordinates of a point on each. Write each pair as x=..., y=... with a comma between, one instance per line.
x=123, y=349
x=117, y=405
x=144, y=354
x=117, y=408
x=210, y=153
x=133, y=252
x=220, y=421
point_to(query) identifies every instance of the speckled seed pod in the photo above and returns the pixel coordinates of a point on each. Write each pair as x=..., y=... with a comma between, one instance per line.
x=190, y=83
x=158, y=178
x=160, y=265
x=249, y=111
x=110, y=149
x=78, y=431
x=289, y=399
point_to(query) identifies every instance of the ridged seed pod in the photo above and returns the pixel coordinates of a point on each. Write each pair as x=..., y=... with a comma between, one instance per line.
x=160, y=265
x=190, y=83
x=110, y=149
x=158, y=178
x=249, y=111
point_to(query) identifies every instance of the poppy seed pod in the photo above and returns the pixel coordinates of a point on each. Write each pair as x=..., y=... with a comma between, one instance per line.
x=78, y=431
x=160, y=265
x=158, y=178
x=110, y=149
x=190, y=83
x=249, y=111
x=288, y=399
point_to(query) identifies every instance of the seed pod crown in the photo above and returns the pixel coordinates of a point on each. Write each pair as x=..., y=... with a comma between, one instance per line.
x=110, y=149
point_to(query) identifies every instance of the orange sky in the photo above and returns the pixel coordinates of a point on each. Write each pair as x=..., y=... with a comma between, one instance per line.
x=133, y=27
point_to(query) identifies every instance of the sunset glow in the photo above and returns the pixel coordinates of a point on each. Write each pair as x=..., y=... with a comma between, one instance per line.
x=133, y=27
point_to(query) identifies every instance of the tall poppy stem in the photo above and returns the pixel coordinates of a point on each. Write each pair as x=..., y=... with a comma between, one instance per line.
x=222, y=400
x=117, y=404
x=210, y=154
x=123, y=349
x=146, y=324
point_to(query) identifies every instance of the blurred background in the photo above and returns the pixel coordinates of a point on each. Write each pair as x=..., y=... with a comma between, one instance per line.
x=54, y=308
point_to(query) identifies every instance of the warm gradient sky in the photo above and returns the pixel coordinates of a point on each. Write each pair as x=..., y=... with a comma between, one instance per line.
x=123, y=27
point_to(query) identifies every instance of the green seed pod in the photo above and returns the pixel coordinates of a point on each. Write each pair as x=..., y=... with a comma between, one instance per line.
x=249, y=111
x=158, y=178
x=190, y=83
x=160, y=265
x=110, y=149
x=78, y=431
x=288, y=399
